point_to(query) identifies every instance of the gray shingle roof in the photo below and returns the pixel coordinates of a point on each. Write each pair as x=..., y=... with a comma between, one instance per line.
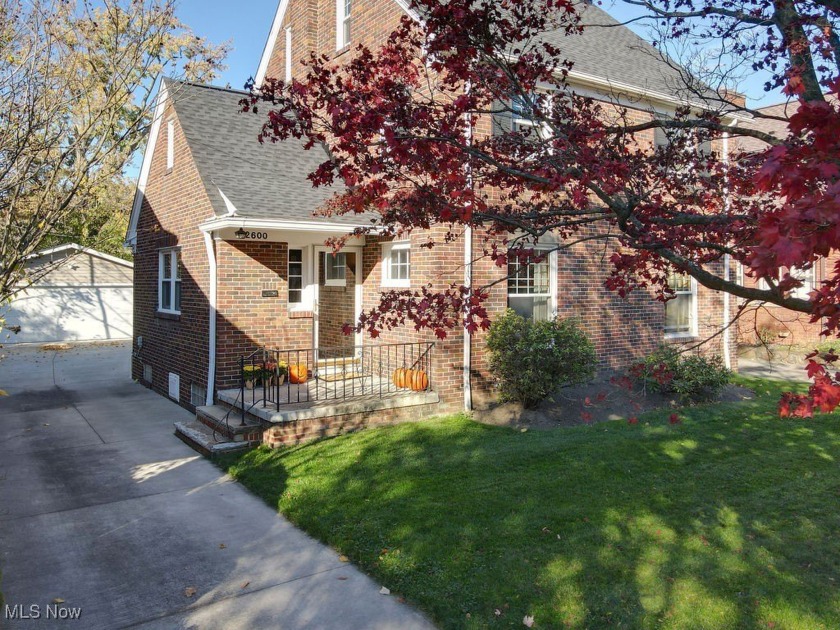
x=609, y=50
x=267, y=181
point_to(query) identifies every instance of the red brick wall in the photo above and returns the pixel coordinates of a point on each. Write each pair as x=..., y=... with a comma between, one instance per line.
x=313, y=28
x=175, y=204
x=775, y=324
x=246, y=319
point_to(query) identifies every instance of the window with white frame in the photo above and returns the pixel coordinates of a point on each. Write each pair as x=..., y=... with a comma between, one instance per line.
x=396, y=265
x=680, y=311
x=169, y=281
x=335, y=269
x=343, y=13
x=170, y=144
x=288, y=54
x=295, y=277
x=808, y=279
x=530, y=289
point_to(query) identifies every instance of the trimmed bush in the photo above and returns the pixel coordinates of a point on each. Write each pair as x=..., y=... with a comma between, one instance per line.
x=530, y=360
x=690, y=375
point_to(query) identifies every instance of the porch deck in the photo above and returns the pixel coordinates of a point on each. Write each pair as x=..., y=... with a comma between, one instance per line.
x=320, y=398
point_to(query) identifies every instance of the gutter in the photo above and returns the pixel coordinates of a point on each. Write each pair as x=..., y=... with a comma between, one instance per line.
x=727, y=264
x=211, y=333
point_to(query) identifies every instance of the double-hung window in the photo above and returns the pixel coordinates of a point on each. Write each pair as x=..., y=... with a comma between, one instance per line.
x=169, y=281
x=396, y=265
x=531, y=292
x=808, y=279
x=343, y=11
x=680, y=311
x=295, y=277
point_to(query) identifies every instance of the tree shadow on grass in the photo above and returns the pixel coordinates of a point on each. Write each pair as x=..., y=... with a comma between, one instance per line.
x=726, y=520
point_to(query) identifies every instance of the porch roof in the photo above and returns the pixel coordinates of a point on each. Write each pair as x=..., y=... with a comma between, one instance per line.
x=243, y=177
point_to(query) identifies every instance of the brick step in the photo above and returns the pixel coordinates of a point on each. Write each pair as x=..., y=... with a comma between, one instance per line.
x=201, y=438
x=227, y=421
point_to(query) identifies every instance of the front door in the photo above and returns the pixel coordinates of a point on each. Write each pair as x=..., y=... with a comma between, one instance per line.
x=339, y=300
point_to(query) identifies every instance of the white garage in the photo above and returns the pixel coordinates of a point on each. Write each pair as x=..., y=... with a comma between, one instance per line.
x=79, y=294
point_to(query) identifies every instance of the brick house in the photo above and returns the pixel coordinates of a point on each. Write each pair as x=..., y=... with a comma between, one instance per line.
x=230, y=261
x=769, y=323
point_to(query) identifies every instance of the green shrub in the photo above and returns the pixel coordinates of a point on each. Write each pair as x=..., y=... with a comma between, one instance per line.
x=531, y=360
x=690, y=375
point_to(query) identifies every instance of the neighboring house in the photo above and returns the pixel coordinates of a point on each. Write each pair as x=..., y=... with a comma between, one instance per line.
x=77, y=294
x=230, y=257
x=769, y=323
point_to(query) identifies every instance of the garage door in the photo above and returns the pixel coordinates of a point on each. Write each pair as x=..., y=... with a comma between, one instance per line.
x=71, y=314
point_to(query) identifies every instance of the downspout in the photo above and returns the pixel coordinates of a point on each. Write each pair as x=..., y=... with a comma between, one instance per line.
x=468, y=247
x=211, y=333
x=727, y=358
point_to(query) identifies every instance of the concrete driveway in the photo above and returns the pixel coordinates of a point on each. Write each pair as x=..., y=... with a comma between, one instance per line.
x=103, y=508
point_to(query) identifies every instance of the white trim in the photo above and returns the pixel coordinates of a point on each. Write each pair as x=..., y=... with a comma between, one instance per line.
x=211, y=298
x=270, y=42
x=695, y=313
x=172, y=254
x=288, y=54
x=81, y=250
x=170, y=144
x=406, y=6
x=386, y=280
x=143, y=180
x=220, y=223
x=228, y=203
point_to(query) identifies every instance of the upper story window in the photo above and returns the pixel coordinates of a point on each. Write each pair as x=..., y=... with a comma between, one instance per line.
x=344, y=9
x=681, y=311
x=531, y=292
x=396, y=265
x=295, y=276
x=288, y=54
x=170, y=144
x=169, y=281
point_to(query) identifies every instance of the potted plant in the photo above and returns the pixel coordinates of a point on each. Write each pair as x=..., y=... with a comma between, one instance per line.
x=275, y=372
x=251, y=374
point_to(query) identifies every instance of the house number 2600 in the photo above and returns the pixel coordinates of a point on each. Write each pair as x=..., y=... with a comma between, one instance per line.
x=259, y=236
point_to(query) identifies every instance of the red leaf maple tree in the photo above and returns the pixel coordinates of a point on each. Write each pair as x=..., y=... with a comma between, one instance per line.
x=407, y=132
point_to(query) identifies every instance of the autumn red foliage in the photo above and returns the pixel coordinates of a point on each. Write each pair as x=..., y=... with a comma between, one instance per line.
x=402, y=125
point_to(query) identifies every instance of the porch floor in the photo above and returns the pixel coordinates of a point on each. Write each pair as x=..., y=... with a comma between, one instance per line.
x=319, y=398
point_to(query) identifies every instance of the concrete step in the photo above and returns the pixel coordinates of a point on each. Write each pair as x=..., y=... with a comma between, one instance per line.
x=227, y=421
x=201, y=438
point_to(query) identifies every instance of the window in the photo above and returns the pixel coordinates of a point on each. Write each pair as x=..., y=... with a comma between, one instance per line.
x=335, y=269
x=288, y=54
x=680, y=310
x=530, y=288
x=169, y=286
x=808, y=279
x=295, y=276
x=343, y=23
x=396, y=265
x=170, y=144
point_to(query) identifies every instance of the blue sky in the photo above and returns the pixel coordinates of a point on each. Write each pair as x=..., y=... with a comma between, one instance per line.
x=246, y=25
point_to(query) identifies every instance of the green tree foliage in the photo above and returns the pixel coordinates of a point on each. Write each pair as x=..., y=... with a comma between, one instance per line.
x=77, y=96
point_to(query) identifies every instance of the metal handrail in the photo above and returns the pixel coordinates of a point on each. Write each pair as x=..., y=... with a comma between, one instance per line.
x=303, y=375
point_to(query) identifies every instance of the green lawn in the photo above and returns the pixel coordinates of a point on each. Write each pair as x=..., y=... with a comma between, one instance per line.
x=730, y=519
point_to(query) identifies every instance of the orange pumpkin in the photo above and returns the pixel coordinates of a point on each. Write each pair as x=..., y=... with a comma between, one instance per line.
x=298, y=373
x=418, y=380
x=399, y=377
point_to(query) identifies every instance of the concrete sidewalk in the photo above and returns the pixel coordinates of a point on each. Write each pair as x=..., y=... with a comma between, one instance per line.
x=103, y=508
x=775, y=370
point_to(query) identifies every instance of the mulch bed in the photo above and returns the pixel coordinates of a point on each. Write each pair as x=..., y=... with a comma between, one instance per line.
x=588, y=403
